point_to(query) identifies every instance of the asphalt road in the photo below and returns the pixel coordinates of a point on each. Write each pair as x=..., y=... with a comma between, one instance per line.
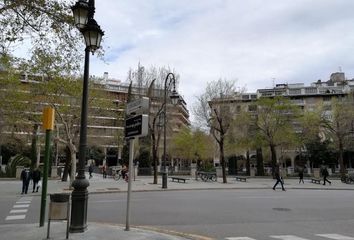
x=221, y=214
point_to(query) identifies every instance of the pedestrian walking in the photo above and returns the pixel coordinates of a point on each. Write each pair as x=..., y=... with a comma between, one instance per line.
x=104, y=171
x=90, y=171
x=301, y=175
x=124, y=172
x=36, y=177
x=278, y=177
x=325, y=175
x=26, y=178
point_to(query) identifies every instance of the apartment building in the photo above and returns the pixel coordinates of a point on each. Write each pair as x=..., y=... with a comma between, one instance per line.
x=104, y=130
x=301, y=95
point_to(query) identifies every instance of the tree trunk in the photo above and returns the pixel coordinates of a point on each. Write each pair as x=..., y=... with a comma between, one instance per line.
x=248, y=164
x=34, y=146
x=73, y=167
x=341, y=163
x=260, y=167
x=222, y=159
x=154, y=162
x=67, y=165
x=274, y=157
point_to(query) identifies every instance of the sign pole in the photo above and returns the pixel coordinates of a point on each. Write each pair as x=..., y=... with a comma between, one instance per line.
x=131, y=152
x=48, y=125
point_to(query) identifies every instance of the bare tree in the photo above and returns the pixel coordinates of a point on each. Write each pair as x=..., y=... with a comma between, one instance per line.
x=213, y=111
x=151, y=82
x=340, y=125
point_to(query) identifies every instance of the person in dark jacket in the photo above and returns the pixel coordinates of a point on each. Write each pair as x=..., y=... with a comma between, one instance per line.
x=301, y=175
x=36, y=177
x=25, y=177
x=278, y=178
x=90, y=170
x=325, y=175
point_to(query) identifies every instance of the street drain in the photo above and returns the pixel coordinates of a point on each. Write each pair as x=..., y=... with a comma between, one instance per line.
x=282, y=209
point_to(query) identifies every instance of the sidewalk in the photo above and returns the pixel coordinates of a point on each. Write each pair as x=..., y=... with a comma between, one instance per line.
x=144, y=183
x=94, y=231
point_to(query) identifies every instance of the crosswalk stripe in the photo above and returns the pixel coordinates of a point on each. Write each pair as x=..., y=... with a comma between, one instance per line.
x=239, y=238
x=335, y=236
x=288, y=237
x=15, y=217
x=23, y=202
x=19, y=211
x=21, y=206
x=26, y=198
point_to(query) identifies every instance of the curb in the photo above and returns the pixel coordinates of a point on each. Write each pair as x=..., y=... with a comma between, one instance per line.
x=175, y=233
x=222, y=188
x=159, y=230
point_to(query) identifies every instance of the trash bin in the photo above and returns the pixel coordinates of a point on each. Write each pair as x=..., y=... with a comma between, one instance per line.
x=59, y=209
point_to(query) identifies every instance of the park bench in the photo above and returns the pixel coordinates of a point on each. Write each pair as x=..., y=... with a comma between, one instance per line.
x=316, y=180
x=241, y=179
x=178, y=179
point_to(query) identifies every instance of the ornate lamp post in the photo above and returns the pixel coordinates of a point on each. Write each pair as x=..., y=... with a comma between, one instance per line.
x=174, y=97
x=83, y=12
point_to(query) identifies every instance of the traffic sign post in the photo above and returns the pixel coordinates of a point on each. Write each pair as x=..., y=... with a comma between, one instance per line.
x=135, y=126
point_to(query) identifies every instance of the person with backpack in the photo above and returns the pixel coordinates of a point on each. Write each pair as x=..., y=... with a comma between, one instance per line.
x=36, y=177
x=325, y=175
x=90, y=170
x=25, y=177
x=277, y=175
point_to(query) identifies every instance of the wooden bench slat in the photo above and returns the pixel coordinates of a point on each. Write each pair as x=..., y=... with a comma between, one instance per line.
x=179, y=179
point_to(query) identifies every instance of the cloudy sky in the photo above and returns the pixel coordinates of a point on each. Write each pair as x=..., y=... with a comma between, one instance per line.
x=257, y=42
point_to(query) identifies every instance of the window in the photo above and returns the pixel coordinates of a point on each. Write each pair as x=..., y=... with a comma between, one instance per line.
x=294, y=91
x=326, y=98
x=310, y=90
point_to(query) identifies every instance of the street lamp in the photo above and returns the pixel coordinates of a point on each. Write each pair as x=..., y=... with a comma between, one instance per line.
x=174, y=98
x=83, y=12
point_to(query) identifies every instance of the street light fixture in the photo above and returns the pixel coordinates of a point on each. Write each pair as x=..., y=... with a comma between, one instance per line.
x=83, y=12
x=174, y=98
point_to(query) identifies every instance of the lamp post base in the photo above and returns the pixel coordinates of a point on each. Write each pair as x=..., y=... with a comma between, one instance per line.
x=164, y=180
x=79, y=201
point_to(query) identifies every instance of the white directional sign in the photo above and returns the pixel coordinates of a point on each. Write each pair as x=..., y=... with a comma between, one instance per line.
x=138, y=106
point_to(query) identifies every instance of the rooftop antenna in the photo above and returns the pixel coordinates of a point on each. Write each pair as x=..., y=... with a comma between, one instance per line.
x=273, y=82
x=340, y=69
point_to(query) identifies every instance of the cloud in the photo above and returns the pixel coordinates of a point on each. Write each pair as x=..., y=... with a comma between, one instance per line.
x=254, y=41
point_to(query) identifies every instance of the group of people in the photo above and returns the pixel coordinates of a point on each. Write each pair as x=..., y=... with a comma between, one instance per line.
x=26, y=176
x=279, y=179
x=104, y=170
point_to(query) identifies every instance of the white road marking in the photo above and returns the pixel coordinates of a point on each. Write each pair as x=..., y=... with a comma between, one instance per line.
x=335, y=236
x=19, y=211
x=26, y=198
x=23, y=202
x=21, y=206
x=239, y=238
x=15, y=217
x=288, y=237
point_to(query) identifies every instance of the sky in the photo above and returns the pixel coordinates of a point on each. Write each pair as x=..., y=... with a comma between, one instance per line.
x=257, y=42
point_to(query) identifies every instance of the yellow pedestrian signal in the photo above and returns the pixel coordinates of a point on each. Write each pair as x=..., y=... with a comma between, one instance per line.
x=48, y=118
